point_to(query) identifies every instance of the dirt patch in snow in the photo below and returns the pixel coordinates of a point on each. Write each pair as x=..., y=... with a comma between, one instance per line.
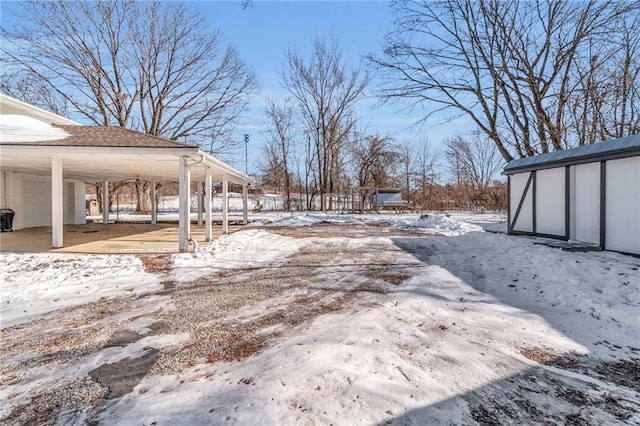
x=156, y=263
x=578, y=388
x=306, y=286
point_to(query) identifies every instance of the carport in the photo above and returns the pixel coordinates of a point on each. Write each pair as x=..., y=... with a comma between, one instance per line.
x=100, y=153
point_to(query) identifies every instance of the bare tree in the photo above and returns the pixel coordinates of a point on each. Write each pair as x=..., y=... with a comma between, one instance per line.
x=271, y=167
x=507, y=65
x=30, y=88
x=406, y=162
x=606, y=100
x=192, y=87
x=473, y=162
x=280, y=122
x=374, y=158
x=149, y=66
x=425, y=174
x=326, y=92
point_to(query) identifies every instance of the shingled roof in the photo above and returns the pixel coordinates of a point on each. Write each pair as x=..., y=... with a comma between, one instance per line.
x=105, y=137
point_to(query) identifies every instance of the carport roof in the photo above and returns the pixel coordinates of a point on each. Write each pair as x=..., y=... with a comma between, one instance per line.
x=95, y=153
x=628, y=146
x=104, y=136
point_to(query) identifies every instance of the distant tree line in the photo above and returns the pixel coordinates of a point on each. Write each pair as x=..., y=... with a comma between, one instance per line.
x=462, y=175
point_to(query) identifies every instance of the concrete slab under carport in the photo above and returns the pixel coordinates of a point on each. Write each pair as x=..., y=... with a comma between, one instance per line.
x=113, y=238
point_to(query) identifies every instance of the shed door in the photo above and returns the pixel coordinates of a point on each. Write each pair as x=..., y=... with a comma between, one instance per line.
x=521, y=202
x=623, y=205
x=586, y=209
x=550, y=201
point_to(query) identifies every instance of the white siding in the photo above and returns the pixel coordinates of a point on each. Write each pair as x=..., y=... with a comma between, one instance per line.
x=36, y=202
x=623, y=205
x=80, y=214
x=30, y=197
x=586, y=212
x=525, y=219
x=550, y=201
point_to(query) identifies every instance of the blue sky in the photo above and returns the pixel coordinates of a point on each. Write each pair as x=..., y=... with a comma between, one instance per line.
x=264, y=32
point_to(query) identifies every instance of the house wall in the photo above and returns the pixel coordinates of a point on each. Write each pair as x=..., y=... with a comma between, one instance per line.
x=30, y=197
x=550, y=201
x=623, y=205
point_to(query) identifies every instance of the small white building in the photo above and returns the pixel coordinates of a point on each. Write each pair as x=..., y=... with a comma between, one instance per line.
x=389, y=199
x=46, y=159
x=589, y=194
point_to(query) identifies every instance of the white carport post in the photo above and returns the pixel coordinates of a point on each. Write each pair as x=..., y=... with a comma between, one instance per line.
x=207, y=204
x=184, y=215
x=154, y=204
x=105, y=202
x=245, y=204
x=225, y=205
x=200, y=206
x=57, y=203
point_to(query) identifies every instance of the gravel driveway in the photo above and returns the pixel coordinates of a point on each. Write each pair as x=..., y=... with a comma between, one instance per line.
x=224, y=317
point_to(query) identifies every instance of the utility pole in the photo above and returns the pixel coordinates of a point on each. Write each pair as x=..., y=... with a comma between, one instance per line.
x=246, y=153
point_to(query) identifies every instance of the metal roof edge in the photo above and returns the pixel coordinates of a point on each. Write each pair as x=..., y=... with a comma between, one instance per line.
x=539, y=163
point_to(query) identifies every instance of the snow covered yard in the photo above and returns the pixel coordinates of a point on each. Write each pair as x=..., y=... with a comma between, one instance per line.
x=369, y=319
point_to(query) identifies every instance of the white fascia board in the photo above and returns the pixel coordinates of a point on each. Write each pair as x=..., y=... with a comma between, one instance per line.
x=232, y=174
x=70, y=150
x=9, y=105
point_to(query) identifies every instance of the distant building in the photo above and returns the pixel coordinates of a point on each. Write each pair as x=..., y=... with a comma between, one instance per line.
x=389, y=199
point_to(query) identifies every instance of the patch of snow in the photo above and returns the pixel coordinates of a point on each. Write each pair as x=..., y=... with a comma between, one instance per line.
x=20, y=128
x=304, y=219
x=242, y=249
x=34, y=284
x=429, y=222
x=418, y=354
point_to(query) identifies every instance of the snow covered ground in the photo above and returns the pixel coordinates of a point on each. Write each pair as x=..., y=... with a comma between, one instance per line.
x=365, y=319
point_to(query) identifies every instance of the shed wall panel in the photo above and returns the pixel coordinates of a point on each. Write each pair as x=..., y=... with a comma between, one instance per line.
x=586, y=211
x=525, y=218
x=623, y=205
x=550, y=201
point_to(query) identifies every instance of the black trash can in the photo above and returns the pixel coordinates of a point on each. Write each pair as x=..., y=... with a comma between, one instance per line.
x=6, y=220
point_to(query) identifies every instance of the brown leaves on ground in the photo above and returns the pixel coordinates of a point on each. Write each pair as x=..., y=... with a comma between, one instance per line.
x=539, y=355
x=156, y=263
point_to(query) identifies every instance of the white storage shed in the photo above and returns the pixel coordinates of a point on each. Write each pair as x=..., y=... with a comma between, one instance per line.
x=589, y=194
